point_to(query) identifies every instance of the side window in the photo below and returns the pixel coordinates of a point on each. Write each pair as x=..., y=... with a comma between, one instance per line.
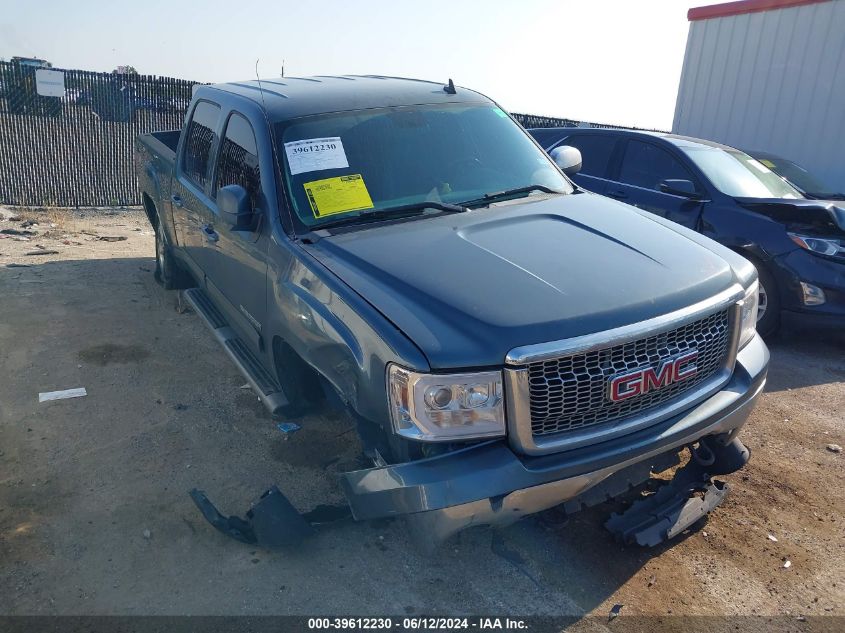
x=238, y=161
x=596, y=151
x=645, y=165
x=199, y=142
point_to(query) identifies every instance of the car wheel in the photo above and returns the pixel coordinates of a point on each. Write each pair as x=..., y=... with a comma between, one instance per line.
x=164, y=266
x=768, y=311
x=168, y=272
x=299, y=381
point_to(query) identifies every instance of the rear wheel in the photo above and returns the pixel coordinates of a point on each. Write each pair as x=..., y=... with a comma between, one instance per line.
x=168, y=271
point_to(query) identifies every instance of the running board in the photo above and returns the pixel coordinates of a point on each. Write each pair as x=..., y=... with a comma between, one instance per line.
x=262, y=382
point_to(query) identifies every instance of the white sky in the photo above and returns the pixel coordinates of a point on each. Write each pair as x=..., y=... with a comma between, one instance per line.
x=611, y=61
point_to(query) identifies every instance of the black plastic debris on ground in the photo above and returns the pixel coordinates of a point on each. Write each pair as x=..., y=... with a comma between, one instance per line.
x=19, y=232
x=272, y=521
x=675, y=506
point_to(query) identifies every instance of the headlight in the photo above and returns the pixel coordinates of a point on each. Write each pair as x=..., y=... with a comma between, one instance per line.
x=748, y=312
x=822, y=245
x=443, y=407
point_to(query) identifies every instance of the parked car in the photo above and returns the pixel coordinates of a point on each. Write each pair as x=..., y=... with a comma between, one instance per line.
x=797, y=245
x=505, y=341
x=809, y=185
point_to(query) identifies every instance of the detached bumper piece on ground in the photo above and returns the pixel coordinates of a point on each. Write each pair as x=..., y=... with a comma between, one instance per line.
x=271, y=522
x=681, y=502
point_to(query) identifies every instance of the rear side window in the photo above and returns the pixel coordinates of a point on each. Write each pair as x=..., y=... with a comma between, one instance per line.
x=199, y=142
x=646, y=165
x=596, y=152
x=238, y=162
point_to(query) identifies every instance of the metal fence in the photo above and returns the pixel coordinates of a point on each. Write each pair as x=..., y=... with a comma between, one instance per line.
x=535, y=120
x=77, y=149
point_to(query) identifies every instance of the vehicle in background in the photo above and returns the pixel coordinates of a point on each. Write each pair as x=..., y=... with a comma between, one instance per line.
x=117, y=98
x=809, y=185
x=504, y=341
x=797, y=245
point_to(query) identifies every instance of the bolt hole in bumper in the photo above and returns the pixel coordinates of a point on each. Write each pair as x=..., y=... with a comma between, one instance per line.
x=489, y=484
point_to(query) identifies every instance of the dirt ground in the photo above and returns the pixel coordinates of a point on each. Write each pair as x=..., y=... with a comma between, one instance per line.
x=95, y=517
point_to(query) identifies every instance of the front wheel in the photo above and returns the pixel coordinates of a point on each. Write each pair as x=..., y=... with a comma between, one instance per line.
x=768, y=311
x=298, y=380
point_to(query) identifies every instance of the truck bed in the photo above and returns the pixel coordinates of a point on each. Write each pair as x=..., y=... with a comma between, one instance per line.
x=155, y=157
x=163, y=144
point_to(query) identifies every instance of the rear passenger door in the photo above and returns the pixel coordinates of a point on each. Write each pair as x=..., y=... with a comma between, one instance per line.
x=191, y=186
x=597, y=154
x=637, y=179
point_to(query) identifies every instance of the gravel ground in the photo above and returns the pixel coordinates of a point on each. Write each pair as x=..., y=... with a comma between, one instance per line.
x=95, y=516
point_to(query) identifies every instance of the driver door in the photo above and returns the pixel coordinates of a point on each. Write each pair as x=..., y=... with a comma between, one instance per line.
x=237, y=259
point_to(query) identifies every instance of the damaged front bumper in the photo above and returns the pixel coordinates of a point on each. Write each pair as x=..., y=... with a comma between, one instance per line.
x=489, y=484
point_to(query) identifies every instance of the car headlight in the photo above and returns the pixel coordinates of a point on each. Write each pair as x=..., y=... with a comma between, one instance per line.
x=748, y=313
x=825, y=246
x=444, y=407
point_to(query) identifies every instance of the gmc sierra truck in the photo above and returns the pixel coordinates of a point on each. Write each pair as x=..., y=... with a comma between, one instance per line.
x=505, y=341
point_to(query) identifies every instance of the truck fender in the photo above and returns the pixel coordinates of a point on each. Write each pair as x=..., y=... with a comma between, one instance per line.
x=332, y=349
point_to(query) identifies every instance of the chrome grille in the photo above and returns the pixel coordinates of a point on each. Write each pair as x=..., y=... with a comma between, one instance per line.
x=570, y=392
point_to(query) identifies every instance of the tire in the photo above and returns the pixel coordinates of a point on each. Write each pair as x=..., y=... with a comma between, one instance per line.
x=768, y=313
x=168, y=272
x=299, y=381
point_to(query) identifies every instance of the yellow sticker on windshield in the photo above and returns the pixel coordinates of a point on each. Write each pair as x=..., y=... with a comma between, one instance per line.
x=337, y=195
x=767, y=163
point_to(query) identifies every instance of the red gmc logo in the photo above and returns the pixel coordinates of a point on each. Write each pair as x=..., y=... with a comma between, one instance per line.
x=641, y=381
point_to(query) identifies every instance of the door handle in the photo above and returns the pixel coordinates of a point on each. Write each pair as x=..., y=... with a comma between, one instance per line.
x=210, y=234
x=176, y=200
x=617, y=193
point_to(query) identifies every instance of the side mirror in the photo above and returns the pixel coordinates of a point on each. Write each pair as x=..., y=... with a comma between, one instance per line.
x=568, y=158
x=235, y=207
x=679, y=187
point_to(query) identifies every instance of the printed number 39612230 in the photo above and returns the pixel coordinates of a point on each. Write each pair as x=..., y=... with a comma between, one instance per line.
x=314, y=148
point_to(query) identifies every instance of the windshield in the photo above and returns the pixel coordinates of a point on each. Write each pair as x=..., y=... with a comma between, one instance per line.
x=797, y=175
x=737, y=174
x=340, y=165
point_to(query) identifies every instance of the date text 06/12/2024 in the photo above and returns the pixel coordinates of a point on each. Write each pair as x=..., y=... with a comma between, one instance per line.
x=417, y=624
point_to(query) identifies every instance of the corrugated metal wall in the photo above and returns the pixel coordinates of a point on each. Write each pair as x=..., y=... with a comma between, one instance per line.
x=773, y=81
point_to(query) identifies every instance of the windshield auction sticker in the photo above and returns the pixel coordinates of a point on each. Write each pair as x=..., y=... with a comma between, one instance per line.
x=337, y=195
x=315, y=154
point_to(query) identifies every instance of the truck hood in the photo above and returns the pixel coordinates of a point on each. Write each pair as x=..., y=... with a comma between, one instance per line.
x=467, y=288
x=824, y=215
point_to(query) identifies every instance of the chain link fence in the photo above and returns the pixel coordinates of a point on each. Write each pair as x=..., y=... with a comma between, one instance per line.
x=77, y=150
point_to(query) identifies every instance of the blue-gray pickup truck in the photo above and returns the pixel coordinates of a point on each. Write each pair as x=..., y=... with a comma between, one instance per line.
x=505, y=341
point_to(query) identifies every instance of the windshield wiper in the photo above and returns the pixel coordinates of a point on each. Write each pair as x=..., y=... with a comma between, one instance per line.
x=391, y=213
x=507, y=193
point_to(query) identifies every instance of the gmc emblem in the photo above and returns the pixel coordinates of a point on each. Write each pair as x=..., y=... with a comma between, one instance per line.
x=641, y=381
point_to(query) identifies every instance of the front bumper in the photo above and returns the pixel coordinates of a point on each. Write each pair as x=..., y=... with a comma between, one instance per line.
x=489, y=484
x=829, y=275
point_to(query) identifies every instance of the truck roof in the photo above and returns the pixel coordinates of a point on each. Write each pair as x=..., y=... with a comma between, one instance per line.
x=291, y=97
